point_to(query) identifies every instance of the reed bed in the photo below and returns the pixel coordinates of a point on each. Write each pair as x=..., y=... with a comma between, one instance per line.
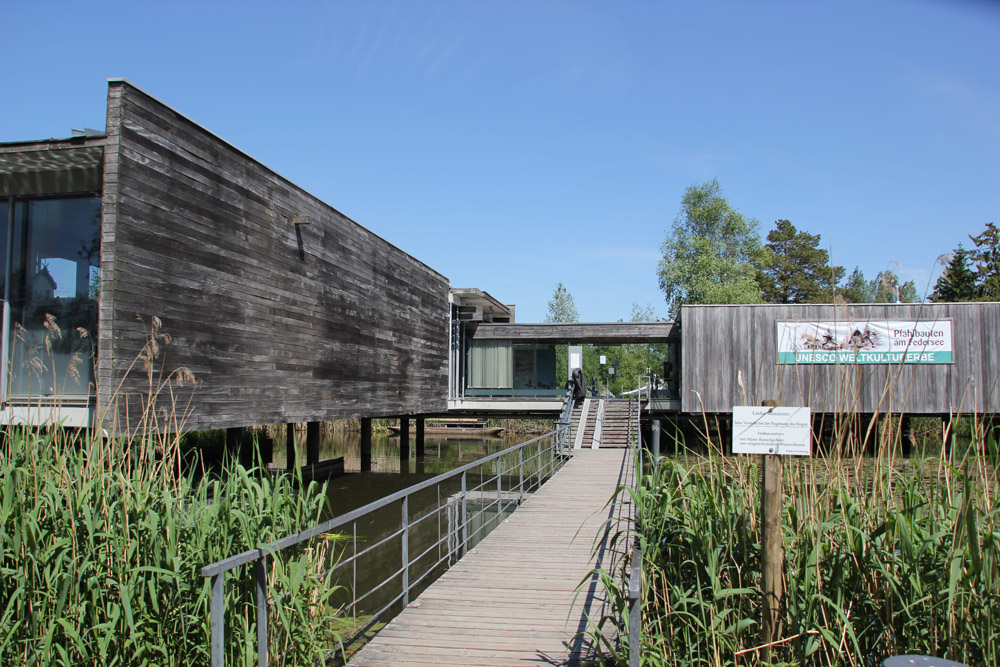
x=883, y=557
x=102, y=541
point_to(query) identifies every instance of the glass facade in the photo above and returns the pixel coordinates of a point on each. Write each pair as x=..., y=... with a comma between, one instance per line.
x=502, y=368
x=51, y=284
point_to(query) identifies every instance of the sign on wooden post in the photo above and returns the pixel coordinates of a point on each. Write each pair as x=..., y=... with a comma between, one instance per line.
x=773, y=431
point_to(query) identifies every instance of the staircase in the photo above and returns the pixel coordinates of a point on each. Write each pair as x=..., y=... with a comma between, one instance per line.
x=613, y=431
x=616, y=423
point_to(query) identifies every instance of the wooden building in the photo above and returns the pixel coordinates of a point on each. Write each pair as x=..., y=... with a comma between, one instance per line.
x=919, y=359
x=277, y=307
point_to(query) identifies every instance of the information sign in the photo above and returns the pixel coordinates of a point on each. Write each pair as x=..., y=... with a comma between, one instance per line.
x=870, y=342
x=772, y=430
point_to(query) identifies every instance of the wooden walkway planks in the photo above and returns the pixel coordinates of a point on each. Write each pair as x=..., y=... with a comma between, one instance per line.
x=517, y=598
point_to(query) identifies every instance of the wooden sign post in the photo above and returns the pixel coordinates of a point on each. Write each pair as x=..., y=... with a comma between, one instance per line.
x=771, y=551
x=775, y=432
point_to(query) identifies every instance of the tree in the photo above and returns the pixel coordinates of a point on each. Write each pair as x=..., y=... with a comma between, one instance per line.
x=561, y=307
x=798, y=270
x=886, y=288
x=712, y=253
x=987, y=259
x=856, y=289
x=958, y=281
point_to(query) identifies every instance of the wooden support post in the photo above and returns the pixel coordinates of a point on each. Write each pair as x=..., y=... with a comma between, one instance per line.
x=312, y=443
x=291, y=456
x=366, y=444
x=771, y=551
x=404, y=439
x=420, y=437
x=656, y=442
x=265, y=446
x=906, y=439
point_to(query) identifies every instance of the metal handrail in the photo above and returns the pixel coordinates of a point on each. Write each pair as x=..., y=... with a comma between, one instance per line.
x=635, y=564
x=547, y=456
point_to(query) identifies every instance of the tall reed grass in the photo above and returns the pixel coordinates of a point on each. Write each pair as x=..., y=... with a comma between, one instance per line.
x=882, y=557
x=102, y=540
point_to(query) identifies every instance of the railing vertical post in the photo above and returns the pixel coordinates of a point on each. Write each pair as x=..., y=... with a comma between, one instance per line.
x=260, y=568
x=354, y=574
x=406, y=552
x=635, y=605
x=465, y=519
x=499, y=491
x=520, y=480
x=539, y=462
x=218, y=619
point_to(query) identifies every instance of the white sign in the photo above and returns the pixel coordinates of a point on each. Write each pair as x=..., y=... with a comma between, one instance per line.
x=869, y=342
x=771, y=430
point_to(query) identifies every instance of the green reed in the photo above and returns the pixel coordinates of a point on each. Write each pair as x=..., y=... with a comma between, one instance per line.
x=102, y=540
x=883, y=556
x=100, y=553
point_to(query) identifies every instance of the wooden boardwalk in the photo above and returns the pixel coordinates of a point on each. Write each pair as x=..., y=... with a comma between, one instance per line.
x=524, y=595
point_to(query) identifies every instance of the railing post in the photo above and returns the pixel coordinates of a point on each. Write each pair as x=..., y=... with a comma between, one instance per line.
x=218, y=619
x=520, y=480
x=635, y=605
x=406, y=552
x=465, y=519
x=540, y=461
x=260, y=568
x=499, y=492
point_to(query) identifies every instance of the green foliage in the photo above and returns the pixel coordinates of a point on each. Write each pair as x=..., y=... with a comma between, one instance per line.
x=712, y=254
x=562, y=308
x=886, y=288
x=101, y=546
x=798, y=270
x=987, y=259
x=880, y=560
x=634, y=360
x=856, y=289
x=958, y=281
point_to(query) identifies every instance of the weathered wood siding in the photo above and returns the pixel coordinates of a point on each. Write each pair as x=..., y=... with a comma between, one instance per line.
x=199, y=235
x=610, y=333
x=722, y=345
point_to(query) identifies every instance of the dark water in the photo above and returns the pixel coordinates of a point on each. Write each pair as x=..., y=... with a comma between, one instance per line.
x=375, y=578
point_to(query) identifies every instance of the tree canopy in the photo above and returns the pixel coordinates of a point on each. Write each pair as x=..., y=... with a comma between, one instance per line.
x=886, y=288
x=797, y=270
x=958, y=281
x=987, y=259
x=562, y=308
x=712, y=253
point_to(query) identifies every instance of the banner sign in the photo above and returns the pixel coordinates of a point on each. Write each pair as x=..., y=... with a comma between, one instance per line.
x=871, y=342
x=778, y=431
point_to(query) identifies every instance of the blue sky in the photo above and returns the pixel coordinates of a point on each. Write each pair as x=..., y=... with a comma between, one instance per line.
x=513, y=145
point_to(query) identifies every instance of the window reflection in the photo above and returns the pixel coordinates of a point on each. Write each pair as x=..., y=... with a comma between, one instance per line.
x=54, y=282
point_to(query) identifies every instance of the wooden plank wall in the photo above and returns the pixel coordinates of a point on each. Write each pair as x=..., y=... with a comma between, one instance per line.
x=610, y=333
x=723, y=344
x=198, y=234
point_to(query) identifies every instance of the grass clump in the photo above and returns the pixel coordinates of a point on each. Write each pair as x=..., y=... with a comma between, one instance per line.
x=100, y=552
x=881, y=558
x=102, y=540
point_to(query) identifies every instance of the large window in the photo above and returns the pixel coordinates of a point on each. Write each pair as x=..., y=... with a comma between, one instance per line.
x=502, y=368
x=51, y=287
